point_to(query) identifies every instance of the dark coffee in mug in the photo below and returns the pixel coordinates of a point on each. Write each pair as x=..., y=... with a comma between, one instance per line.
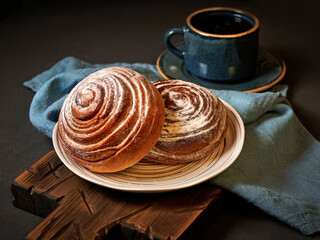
x=220, y=44
x=221, y=23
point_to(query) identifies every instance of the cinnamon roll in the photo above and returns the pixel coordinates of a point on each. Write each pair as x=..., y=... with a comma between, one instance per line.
x=111, y=120
x=195, y=123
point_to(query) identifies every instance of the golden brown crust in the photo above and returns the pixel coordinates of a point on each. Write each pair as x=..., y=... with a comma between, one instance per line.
x=195, y=123
x=111, y=120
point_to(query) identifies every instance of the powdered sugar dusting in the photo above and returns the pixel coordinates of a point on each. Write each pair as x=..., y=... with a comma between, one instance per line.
x=186, y=111
x=103, y=113
x=195, y=122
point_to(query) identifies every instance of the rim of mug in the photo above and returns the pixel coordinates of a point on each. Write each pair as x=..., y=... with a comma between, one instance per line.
x=252, y=29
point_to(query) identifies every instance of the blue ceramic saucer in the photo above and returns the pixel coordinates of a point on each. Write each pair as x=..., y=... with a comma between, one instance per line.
x=270, y=70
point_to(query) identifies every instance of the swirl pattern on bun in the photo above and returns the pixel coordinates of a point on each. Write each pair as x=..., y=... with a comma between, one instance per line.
x=111, y=120
x=195, y=123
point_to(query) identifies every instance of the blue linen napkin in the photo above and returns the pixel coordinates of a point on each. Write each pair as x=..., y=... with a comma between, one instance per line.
x=278, y=169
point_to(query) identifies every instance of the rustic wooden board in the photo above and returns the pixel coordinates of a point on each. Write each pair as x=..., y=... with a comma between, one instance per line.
x=74, y=208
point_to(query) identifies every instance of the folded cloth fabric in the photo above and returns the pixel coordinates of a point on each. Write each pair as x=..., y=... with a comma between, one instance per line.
x=278, y=169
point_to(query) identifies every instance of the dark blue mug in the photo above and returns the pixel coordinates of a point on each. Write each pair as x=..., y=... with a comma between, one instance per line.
x=221, y=44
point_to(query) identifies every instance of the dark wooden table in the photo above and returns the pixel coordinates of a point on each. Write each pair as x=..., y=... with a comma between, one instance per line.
x=36, y=34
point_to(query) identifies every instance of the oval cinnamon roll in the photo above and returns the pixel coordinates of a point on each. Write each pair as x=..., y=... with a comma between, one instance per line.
x=195, y=123
x=111, y=119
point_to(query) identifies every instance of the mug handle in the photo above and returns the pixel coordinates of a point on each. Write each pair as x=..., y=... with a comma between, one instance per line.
x=169, y=45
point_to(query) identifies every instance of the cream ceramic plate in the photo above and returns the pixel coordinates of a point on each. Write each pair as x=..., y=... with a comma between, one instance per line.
x=147, y=176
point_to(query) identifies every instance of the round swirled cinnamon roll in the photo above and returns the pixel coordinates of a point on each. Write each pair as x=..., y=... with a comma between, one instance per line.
x=111, y=119
x=195, y=123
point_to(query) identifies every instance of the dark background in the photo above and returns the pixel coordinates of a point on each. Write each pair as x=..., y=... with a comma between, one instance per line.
x=34, y=35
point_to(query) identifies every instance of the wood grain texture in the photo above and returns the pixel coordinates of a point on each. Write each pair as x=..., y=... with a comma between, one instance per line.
x=74, y=208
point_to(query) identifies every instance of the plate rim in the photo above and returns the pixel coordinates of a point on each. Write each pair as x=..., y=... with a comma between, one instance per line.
x=159, y=189
x=258, y=89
